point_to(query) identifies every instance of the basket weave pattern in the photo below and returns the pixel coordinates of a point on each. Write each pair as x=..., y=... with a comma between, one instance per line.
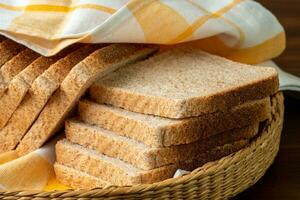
x=220, y=179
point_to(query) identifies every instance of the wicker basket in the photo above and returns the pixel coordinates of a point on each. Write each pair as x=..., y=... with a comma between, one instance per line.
x=220, y=179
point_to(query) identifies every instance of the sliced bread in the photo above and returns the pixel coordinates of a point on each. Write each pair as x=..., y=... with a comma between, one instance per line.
x=13, y=87
x=36, y=68
x=77, y=179
x=73, y=87
x=141, y=155
x=121, y=173
x=14, y=66
x=16, y=91
x=159, y=132
x=18, y=63
x=37, y=96
x=88, y=168
x=41, y=90
x=184, y=82
x=8, y=49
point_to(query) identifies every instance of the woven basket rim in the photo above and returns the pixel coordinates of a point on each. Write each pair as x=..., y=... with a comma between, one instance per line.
x=274, y=125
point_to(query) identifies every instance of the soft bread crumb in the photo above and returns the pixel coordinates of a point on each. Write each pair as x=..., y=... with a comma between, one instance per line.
x=184, y=82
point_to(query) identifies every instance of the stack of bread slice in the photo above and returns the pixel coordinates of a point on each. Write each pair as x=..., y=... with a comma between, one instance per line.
x=176, y=110
x=37, y=93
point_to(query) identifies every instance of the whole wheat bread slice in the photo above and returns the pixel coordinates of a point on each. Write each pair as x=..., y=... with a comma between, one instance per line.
x=73, y=87
x=35, y=100
x=8, y=49
x=141, y=155
x=36, y=68
x=159, y=132
x=120, y=173
x=13, y=87
x=16, y=90
x=184, y=82
x=18, y=63
x=14, y=66
x=77, y=179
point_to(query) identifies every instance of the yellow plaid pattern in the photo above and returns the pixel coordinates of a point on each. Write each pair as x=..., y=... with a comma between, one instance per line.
x=241, y=30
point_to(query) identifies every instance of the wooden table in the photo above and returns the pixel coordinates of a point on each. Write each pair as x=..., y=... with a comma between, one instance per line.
x=282, y=180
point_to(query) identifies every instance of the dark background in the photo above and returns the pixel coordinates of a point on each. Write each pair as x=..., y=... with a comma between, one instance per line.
x=282, y=180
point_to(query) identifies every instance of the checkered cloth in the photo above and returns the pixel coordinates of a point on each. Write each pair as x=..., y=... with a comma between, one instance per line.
x=240, y=30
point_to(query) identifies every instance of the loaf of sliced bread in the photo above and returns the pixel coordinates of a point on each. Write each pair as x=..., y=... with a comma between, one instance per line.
x=73, y=87
x=8, y=49
x=83, y=167
x=141, y=155
x=39, y=93
x=184, y=82
x=159, y=132
x=77, y=179
x=121, y=173
x=14, y=66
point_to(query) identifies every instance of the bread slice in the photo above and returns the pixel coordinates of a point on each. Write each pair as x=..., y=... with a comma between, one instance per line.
x=18, y=87
x=143, y=156
x=159, y=132
x=12, y=98
x=276, y=100
x=8, y=49
x=18, y=63
x=73, y=87
x=184, y=82
x=77, y=179
x=12, y=90
x=36, y=68
x=14, y=66
x=120, y=173
x=35, y=100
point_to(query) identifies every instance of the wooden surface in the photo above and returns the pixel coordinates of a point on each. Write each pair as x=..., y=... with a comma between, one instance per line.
x=282, y=180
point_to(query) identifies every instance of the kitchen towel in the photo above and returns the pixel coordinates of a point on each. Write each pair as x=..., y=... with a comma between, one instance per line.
x=33, y=171
x=241, y=30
